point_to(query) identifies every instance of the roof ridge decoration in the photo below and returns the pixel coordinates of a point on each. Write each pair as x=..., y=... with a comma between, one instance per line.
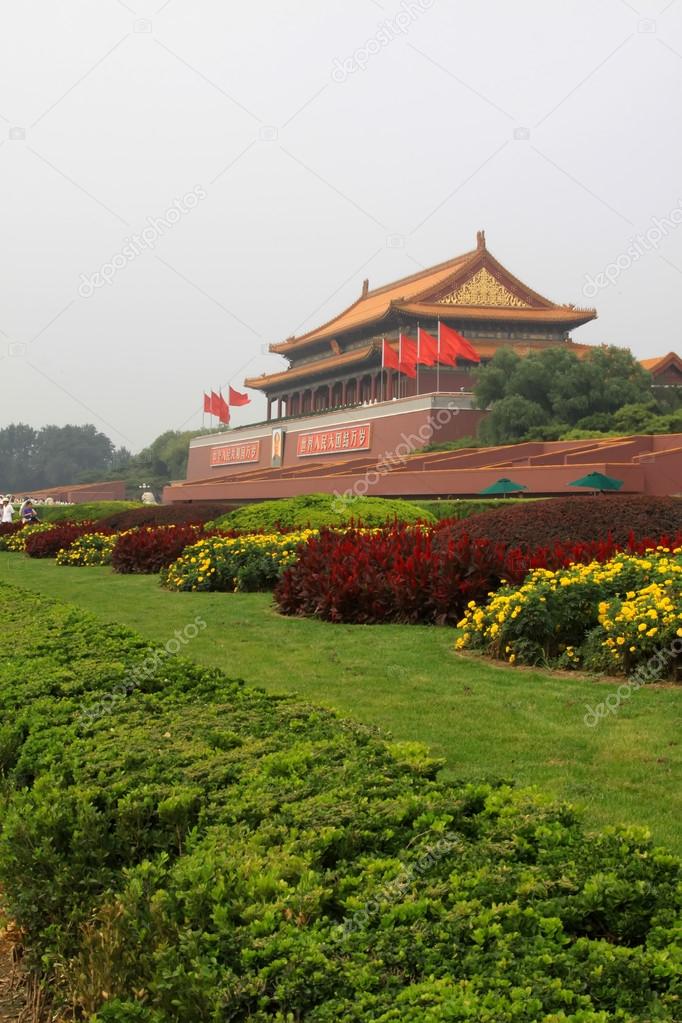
x=483, y=289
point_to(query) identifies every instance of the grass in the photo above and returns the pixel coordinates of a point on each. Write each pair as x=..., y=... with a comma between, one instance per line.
x=484, y=720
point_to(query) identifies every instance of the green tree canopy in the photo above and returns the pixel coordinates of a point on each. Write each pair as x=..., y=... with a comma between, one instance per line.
x=553, y=391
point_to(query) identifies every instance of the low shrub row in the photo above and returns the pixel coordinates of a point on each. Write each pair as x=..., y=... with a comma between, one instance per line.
x=231, y=564
x=192, y=512
x=207, y=852
x=613, y=617
x=313, y=511
x=87, y=511
x=570, y=520
x=464, y=507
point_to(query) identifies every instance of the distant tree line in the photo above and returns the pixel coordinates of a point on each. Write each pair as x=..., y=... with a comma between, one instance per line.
x=31, y=460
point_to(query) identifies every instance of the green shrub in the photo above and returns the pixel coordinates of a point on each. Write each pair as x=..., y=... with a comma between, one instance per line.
x=464, y=507
x=91, y=511
x=316, y=510
x=178, y=847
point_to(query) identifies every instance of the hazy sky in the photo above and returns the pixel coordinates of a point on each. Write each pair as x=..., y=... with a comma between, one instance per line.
x=317, y=143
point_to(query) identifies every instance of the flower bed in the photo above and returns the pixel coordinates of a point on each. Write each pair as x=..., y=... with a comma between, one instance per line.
x=44, y=542
x=150, y=548
x=8, y=529
x=234, y=563
x=612, y=616
x=15, y=539
x=410, y=574
x=91, y=549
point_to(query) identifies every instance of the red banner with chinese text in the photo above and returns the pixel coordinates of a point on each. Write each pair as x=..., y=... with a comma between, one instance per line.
x=235, y=454
x=335, y=441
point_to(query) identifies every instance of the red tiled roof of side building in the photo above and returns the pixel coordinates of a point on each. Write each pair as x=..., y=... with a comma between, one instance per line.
x=661, y=362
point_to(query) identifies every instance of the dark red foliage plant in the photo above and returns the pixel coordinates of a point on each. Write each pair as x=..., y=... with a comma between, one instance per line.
x=47, y=544
x=415, y=574
x=151, y=548
x=577, y=518
x=190, y=512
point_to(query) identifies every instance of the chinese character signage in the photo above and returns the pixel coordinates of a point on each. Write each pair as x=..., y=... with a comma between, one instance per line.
x=235, y=454
x=336, y=441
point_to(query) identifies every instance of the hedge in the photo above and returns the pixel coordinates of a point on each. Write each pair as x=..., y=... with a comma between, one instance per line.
x=197, y=850
x=166, y=514
x=317, y=510
x=574, y=519
x=462, y=508
x=89, y=511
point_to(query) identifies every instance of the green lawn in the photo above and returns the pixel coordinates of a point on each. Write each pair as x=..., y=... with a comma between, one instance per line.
x=483, y=720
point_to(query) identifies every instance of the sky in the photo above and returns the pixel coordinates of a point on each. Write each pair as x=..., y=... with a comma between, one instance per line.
x=186, y=181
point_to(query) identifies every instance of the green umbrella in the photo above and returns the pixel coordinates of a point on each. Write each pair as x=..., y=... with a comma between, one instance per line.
x=504, y=486
x=597, y=481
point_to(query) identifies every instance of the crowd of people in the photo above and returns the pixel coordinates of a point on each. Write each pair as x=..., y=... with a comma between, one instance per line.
x=27, y=512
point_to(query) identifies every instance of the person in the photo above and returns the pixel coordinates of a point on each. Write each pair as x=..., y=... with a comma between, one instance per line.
x=29, y=514
x=7, y=510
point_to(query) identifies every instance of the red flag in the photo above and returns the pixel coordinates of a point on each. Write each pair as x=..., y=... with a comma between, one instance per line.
x=445, y=356
x=208, y=407
x=237, y=398
x=427, y=347
x=456, y=345
x=389, y=357
x=224, y=410
x=408, y=356
x=216, y=407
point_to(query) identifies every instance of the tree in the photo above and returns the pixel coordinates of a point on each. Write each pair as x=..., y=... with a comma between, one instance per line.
x=510, y=420
x=17, y=442
x=557, y=391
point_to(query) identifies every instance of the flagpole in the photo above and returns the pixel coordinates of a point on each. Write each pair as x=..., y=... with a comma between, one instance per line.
x=438, y=362
x=400, y=359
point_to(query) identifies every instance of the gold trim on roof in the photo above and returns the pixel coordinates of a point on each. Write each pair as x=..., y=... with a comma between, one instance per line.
x=483, y=290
